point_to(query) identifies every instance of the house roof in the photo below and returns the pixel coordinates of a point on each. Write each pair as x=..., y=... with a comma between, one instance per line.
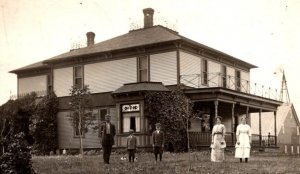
x=134, y=38
x=143, y=86
x=267, y=119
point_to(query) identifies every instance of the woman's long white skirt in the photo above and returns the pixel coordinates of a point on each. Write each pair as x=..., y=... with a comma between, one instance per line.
x=242, y=152
x=217, y=149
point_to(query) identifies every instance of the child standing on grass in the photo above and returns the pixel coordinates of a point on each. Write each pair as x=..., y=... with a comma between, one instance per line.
x=158, y=142
x=131, y=146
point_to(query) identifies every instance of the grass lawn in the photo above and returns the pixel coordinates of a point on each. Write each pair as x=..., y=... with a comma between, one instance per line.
x=172, y=163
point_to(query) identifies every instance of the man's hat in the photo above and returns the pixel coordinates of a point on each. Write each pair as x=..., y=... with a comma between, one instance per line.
x=157, y=124
x=107, y=115
x=131, y=130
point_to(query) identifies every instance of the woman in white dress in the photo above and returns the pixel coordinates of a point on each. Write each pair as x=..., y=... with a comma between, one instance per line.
x=243, y=141
x=218, y=143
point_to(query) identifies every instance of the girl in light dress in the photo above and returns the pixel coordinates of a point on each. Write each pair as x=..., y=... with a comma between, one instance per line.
x=243, y=137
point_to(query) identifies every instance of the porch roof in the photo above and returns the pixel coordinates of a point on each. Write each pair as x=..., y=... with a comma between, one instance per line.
x=142, y=86
x=233, y=96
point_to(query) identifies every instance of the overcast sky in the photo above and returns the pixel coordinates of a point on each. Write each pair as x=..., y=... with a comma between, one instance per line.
x=265, y=33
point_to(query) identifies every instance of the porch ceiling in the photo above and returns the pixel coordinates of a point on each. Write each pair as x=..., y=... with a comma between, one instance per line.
x=232, y=96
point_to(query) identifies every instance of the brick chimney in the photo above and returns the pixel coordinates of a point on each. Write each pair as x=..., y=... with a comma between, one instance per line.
x=90, y=38
x=148, y=17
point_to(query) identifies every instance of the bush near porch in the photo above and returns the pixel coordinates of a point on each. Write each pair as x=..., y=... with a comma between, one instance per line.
x=172, y=163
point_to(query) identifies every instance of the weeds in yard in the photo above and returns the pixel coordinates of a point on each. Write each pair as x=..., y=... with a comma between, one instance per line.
x=176, y=163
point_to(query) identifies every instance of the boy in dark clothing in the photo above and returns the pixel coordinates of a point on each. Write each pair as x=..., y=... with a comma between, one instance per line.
x=131, y=146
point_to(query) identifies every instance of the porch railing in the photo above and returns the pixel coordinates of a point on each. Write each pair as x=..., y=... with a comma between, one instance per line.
x=204, y=139
x=206, y=80
x=266, y=140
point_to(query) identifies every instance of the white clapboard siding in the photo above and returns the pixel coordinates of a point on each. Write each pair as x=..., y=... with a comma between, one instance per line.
x=245, y=76
x=231, y=78
x=66, y=137
x=110, y=75
x=214, y=70
x=32, y=84
x=163, y=68
x=62, y=81
x=190, y=69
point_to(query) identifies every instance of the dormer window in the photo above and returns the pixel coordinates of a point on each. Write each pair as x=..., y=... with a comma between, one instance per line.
x=78, y=76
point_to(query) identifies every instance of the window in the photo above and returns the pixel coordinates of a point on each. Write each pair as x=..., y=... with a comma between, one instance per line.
x=78, y=76
x=102, y=113
x=76, y=131
x=101, y=117
x=204, y=72
x=238, y=80
x=224, y=76
x=49, y=84
x=143, y=69
x=131, y=121
x=298, y=130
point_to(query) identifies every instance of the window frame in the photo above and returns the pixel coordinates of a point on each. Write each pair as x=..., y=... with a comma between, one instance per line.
x=75, y=129
x=224, y=76
x=204, y=71
x=139, y=69
x=100, y=121
x=136, y=114
x=75, y=77
x=238, y=80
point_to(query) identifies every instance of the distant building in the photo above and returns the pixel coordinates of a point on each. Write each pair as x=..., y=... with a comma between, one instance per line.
x=288, y=127
x=152, y=58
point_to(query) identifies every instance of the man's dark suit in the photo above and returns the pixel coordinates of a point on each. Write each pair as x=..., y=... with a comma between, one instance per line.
x=107, y=140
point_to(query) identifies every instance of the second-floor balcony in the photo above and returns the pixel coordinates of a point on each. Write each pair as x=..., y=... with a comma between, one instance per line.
x=211, y=80
x=41, y=93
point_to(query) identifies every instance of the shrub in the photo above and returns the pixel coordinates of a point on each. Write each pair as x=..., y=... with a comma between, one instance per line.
x=44, y=125
x=173, y=110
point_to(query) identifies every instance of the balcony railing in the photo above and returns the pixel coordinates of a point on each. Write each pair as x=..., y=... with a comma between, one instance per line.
x=20, y=95
x=207, y=80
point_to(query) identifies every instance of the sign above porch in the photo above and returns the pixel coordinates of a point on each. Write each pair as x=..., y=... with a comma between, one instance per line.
x=131, y=108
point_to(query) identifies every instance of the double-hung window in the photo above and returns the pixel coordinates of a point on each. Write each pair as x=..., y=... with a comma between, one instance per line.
x=78, y=76
x=238, y=80
x=204, y=72
x=143, y=72
x=224, y=76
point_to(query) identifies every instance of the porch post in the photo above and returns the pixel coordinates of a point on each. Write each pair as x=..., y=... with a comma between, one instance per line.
x=275, y=127
x=260, y=138
x=216, y=108
x=232, y=124
x=247, y=115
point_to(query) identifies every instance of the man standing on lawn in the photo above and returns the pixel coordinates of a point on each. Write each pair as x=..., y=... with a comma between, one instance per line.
x=158, y=141
x=107, y=132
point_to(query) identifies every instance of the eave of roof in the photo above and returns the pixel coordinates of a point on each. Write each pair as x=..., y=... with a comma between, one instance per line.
x=34, y=66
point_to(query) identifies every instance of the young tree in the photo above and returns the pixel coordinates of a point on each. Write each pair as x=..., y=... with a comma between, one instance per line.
x=81, y=116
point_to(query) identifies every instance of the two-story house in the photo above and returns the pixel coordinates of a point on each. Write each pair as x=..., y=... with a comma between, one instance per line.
x=153, y=58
